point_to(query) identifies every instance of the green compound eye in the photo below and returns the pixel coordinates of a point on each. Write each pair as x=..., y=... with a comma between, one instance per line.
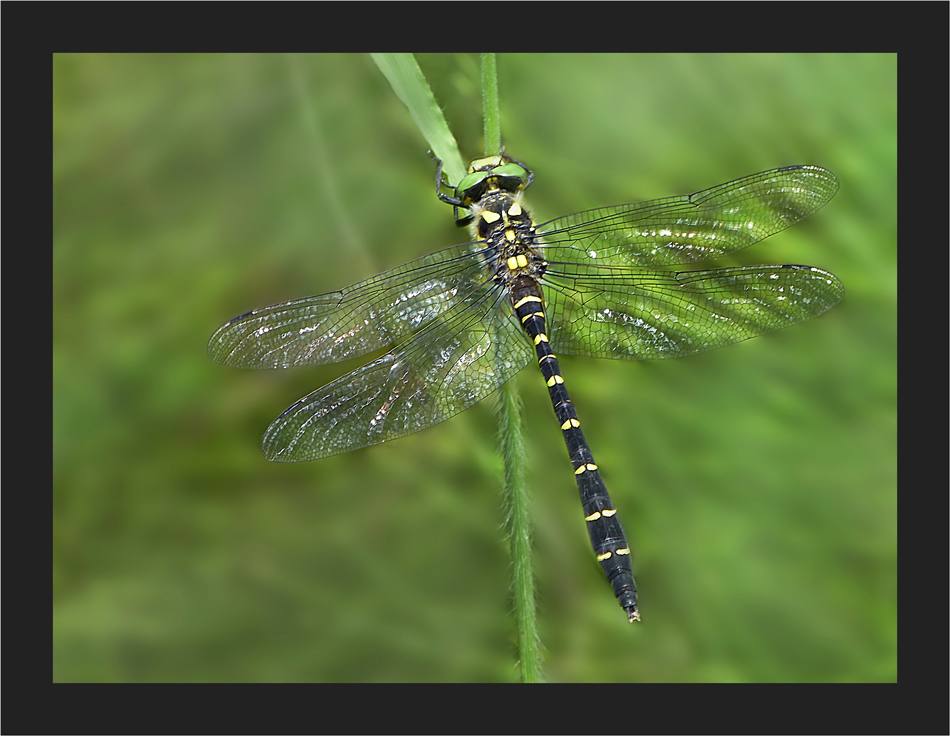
x=473, y=186
x=490, y=173
x=511, y=171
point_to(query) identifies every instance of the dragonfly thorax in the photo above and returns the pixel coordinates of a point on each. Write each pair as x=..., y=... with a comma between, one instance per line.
x=507, y=229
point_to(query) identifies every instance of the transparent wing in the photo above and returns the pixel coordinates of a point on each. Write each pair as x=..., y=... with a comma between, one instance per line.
x=643, y=314
x=373, y=314
x=694, y=227
x=458, y=359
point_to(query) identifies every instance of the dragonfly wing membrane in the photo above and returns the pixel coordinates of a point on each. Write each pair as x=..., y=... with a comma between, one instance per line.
x=691, y=228
x=643, y=314
x=371, y=315
x=445, y=368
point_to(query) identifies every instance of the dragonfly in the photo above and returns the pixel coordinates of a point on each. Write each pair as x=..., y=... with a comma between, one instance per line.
x=616, y=282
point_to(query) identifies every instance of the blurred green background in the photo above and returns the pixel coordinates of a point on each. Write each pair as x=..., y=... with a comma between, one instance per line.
x=757, y=483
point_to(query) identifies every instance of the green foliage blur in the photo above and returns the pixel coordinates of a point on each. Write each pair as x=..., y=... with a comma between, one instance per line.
x=757, y=483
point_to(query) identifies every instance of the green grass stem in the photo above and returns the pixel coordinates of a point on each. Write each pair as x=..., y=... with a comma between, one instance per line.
x=411, y=87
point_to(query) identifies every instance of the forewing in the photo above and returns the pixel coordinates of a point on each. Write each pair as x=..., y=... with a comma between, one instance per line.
x=643, y=314
x=690, y=228
x=458, y=359
x=373, y=314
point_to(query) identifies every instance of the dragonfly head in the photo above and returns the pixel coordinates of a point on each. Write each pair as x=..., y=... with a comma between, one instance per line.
x=499, y=173
x=491, y=173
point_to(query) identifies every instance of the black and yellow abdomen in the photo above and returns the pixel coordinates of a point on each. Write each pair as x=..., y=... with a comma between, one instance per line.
x=606, y=534
x=501, y=221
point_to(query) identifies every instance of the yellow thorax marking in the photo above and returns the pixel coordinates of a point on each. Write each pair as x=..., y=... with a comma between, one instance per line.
x=490, y=217
x=516, y=262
